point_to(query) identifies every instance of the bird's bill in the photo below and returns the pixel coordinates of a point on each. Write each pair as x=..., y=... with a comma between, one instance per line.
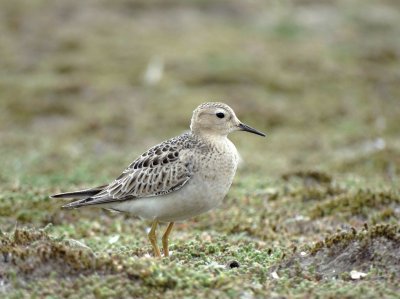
x=247, y=128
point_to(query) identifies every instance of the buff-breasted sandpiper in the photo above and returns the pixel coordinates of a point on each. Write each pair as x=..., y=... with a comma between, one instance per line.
x=177, y=179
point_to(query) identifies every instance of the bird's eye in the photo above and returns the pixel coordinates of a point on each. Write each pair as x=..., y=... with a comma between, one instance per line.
x=220, y=115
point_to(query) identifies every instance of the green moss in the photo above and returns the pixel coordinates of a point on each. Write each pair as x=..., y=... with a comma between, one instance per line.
x=358, y=203
x=316, y=193
x=32, y=255
x=310, y=177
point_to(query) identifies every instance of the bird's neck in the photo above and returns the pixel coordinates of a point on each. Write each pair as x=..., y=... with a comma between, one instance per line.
x=211, y=137
x=220, y=143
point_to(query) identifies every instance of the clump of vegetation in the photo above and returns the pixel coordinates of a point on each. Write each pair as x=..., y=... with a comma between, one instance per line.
x=374, y=251
x=359, y=203
x=310, y=177
x=33, y=253
x=316, y=193
x=314, y=186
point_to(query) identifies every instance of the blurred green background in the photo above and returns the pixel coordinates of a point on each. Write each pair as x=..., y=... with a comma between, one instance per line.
x=84, y=81
x=86, y=86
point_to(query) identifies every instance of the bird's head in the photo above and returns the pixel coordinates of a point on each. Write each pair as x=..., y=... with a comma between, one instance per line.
x=217, y=119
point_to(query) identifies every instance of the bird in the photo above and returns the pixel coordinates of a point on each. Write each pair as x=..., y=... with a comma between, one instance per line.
x=177, y=179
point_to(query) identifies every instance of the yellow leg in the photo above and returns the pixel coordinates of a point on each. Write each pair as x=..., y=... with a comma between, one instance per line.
x=165, y=238
x=153, y=239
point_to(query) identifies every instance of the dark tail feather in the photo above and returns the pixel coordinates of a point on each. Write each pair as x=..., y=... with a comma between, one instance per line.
x=77, y=204
x=80, y=194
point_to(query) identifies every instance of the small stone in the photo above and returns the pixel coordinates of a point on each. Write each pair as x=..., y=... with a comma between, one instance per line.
x=76, y=244
x=354, y=274
x=233, y=264
x=113, y=239
x=275, y=275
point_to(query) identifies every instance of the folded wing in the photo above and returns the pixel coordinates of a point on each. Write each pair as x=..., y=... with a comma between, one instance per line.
x=158, y=171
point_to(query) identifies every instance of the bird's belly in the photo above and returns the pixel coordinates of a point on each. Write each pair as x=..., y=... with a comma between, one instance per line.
x=196, y=197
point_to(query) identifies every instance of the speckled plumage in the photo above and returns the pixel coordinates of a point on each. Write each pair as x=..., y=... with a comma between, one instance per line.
x=166, y=168
x=178, y=178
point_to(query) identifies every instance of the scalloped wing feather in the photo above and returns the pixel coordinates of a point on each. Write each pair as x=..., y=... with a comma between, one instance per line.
x=160, y=170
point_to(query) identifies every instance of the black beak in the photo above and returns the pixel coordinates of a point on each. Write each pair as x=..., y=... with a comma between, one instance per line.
x=247, y=128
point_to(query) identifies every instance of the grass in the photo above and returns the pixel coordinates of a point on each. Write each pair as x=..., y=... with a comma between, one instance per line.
x=319, y=194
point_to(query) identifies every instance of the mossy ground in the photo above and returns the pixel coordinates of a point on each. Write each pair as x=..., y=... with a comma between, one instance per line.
x=319, y=194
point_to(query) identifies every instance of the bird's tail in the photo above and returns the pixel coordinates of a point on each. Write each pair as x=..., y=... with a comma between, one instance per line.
x=81, y=194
